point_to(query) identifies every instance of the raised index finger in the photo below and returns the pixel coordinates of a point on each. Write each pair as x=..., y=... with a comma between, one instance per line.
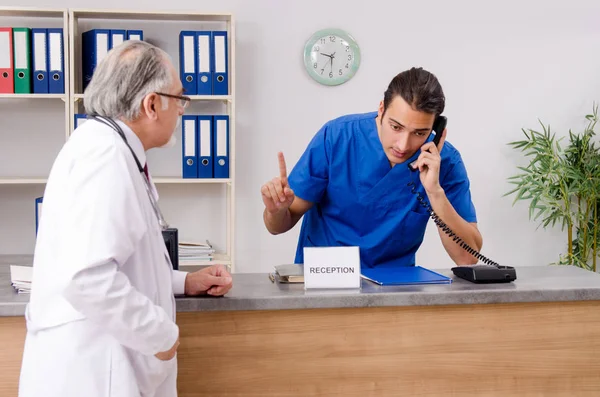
x=282, y=167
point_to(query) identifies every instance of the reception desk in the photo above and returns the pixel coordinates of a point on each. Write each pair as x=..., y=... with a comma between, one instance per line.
x=538, y=336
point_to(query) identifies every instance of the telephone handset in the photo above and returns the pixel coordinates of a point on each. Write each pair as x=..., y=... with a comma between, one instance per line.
x=439, y=125
x=490, y=271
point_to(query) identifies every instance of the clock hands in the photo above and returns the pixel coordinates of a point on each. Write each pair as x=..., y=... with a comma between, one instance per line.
x=324, y=66
x=331, y=57
x=330, y=61
x=331, y=64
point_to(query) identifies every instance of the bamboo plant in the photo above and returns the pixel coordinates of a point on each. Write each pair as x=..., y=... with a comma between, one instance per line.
x=563, y=187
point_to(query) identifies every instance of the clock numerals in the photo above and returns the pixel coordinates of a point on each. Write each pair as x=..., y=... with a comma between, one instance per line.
x=323, y=40
x=317, y=54
x=332, y=39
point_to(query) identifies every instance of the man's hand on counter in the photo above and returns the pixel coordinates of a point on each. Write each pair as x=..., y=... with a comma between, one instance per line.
x=213, y=280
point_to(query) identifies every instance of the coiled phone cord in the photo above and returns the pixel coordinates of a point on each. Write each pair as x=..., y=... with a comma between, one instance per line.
x=442, y=225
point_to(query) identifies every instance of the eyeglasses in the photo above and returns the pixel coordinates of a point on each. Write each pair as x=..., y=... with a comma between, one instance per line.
x=184, y=101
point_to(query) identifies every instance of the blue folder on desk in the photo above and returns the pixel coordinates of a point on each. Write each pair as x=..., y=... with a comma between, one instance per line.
x=404, y=275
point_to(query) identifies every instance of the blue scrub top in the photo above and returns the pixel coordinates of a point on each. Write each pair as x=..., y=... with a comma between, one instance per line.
x=360, y=200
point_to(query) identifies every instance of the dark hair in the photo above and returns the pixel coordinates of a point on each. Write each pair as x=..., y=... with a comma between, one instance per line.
x=419, y=88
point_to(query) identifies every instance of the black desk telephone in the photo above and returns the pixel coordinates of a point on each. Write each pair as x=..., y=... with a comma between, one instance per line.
x=489, y=271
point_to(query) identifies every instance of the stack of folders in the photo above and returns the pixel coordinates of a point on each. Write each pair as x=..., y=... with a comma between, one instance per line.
x=292, y=273
x=195, y=252
x=204, y=62
x=32, y=61
x=96, y=43
x=20, y=278
x=205, y=146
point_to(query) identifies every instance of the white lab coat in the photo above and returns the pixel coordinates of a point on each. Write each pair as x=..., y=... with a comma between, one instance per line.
x=102, y=300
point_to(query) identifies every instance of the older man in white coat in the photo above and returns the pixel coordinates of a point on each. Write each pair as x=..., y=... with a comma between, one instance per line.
x=101, y=318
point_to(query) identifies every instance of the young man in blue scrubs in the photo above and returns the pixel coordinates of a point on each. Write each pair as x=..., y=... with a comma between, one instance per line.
x=351, y=182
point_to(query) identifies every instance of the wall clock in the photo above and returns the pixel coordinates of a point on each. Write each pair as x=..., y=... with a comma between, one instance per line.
x=331, y=56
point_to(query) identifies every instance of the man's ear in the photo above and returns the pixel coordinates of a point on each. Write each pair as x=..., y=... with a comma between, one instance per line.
x=149, y=105
x=381, y=110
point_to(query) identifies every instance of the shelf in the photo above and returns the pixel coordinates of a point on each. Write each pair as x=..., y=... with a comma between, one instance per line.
x=218, y=259
x=33, y=96
x=158, y=180
x=22, y=181
x=32, y=12
x=168, y=180
x=208, y=98
x=160, y=27
x=150, y=15
x=23, y=259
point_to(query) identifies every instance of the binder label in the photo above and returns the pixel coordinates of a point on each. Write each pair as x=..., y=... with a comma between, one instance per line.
x=205, y=138
x=204, y=55
x=102, y=47
x=40, y=51
x=220, y=54
x=55, y=55
x=222, y=138
x=21, y=47
x=188, y=48
x=5, y=50
x=190, y=138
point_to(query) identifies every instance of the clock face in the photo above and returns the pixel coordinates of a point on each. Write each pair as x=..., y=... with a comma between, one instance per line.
x=331, y=57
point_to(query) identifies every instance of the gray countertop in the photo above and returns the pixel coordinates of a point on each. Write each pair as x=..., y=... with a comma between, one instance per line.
x=254, y=291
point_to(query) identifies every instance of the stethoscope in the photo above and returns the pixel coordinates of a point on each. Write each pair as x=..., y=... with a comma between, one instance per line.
x=112, y=124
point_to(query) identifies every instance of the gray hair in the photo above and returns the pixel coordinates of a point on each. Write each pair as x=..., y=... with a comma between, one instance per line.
x=124, y=77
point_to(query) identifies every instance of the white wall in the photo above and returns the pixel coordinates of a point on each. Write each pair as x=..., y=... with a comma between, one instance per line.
x=502, y=66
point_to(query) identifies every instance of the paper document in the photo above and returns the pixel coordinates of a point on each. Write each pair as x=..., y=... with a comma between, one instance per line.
x=20, y=278
x=192, y=252
x=292, y=273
